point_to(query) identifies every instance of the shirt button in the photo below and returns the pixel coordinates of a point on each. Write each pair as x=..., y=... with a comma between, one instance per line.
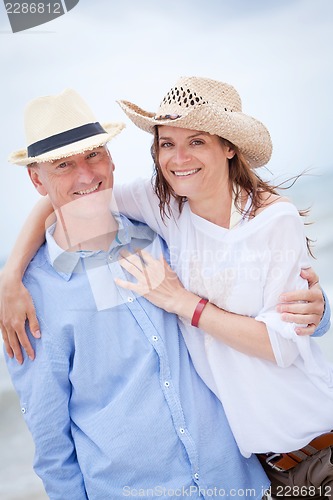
x=167, y=384
x=23, y=410
x=130, y=299
x=181, y=430
x=110, y=257
x=196, y=476
x=155, y=339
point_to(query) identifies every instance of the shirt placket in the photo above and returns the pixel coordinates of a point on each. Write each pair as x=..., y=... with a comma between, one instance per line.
x=166, y=382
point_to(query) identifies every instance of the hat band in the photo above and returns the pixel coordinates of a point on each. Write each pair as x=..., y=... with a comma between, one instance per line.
x=64, y=138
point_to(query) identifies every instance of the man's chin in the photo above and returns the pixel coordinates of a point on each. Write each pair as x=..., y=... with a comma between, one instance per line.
x=89, y=203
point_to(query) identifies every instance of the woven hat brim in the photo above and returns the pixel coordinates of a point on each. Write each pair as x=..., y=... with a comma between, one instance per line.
x=112, y=129
x=248, y=134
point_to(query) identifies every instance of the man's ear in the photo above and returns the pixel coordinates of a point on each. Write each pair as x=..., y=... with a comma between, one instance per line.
x=34, y=175
x=109, y=155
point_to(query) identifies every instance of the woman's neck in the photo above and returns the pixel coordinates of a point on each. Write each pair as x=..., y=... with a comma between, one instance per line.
x=215, y=208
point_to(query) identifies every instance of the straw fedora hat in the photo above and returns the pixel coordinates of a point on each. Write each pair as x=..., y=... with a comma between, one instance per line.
x=208, y=106
x=59, y=126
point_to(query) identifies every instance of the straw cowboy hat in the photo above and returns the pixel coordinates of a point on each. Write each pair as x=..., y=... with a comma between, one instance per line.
x=59, y=126
x=208, y=106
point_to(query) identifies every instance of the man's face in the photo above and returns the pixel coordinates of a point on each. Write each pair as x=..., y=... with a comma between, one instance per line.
x=81, y=178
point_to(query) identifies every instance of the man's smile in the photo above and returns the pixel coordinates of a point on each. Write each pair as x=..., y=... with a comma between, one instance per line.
x=88, y=191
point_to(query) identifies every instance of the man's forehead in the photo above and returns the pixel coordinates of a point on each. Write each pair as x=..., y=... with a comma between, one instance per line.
x=80, y=155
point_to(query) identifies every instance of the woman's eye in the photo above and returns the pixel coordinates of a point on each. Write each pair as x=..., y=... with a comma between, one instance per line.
x=197, y=142
x=165, y=144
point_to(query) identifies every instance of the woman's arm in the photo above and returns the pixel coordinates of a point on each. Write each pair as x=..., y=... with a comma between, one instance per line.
x=16, y=305
x=158, y=283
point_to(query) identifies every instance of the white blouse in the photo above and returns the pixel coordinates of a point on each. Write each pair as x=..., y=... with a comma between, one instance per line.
x=270, y=407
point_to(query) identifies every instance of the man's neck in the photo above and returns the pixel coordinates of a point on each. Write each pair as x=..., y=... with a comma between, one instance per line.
x=73, y=233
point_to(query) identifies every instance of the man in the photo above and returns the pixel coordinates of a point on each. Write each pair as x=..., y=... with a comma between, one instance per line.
x=112, y=399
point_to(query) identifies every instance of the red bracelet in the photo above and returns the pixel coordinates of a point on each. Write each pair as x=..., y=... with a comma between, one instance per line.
x=198, y=311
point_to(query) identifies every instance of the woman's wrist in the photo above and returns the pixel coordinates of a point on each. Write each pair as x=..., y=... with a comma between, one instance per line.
x=15, y=267
x=11, y=276
x=185, y=304
x=12, y=273
x=198, y=311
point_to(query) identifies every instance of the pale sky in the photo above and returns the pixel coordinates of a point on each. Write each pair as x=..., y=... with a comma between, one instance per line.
x=277, y=53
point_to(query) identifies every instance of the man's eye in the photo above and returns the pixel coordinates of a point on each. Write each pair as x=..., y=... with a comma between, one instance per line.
x=62, y=165
x=93, y=154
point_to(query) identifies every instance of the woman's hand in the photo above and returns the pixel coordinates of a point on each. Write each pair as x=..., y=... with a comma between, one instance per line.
x=16, y=307
x=156, y=281
x=305, y=307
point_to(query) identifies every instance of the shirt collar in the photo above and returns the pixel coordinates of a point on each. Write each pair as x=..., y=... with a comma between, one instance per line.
x=64, y=263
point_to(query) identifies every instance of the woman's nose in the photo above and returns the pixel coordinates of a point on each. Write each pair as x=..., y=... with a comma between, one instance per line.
x=181, y=155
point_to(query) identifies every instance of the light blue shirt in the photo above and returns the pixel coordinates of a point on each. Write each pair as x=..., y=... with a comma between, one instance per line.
x=325, y=322
x=112, y=399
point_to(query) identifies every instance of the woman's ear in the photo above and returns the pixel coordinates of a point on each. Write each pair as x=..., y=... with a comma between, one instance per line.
x=34, y=175
x=230, y=153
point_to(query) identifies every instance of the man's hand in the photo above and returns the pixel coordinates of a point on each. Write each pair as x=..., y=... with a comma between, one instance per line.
x=16, y=307
x=304, y=307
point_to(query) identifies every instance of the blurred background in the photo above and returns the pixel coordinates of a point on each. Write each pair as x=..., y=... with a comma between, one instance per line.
x=276, y=53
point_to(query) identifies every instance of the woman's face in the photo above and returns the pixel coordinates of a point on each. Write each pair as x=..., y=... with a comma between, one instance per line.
x=195, y=164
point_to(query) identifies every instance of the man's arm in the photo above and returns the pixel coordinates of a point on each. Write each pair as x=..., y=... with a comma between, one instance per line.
x=44, y=391
x=294, y=307
x=325, y=323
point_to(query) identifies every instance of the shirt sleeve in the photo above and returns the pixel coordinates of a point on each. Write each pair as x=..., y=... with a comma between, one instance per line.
x=138, y=201
x=287, y=254
x=44, y=391
x=325, y=322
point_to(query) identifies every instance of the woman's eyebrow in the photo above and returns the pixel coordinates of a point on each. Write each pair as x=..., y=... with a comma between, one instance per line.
x=188, y=137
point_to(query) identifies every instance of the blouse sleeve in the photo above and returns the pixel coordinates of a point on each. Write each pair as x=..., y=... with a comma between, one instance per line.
x=287, y=254
x=138, y=201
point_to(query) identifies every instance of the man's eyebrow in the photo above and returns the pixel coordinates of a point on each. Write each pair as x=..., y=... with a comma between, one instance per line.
x=59, y=160
x=69, y=158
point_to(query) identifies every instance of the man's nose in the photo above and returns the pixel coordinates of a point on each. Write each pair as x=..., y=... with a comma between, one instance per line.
x=84, y=171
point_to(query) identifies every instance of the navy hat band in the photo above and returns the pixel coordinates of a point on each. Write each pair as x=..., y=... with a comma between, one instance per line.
x=64, y=138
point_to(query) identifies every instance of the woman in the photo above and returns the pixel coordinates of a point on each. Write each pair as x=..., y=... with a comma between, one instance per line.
x=192, y=120
x=236, y=245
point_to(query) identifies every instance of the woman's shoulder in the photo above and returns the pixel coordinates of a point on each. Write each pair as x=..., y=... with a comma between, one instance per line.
x=268, y=199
